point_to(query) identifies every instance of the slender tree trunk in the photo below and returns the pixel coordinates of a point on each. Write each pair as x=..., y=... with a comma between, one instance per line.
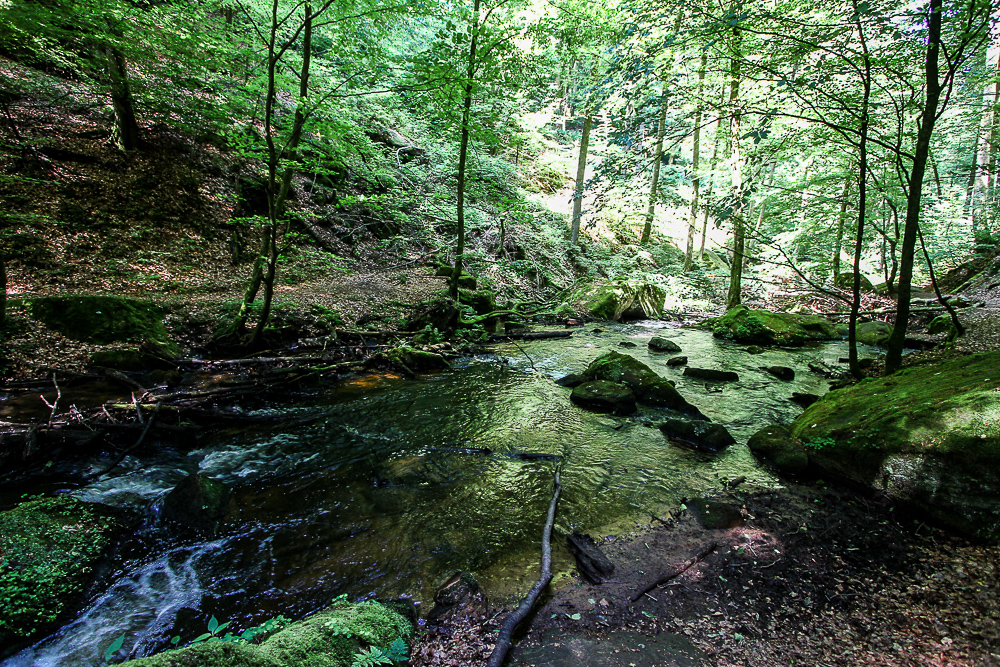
x=654, y=188
x=126, y=125
x=841, y=221
x=801, y=247
x=894, y=346
x=852, y=323
x=581, y=172
x=463, y=152
x=3, y=291
x=711, y=184
x=970, y=203
x=755, y=234
x=695, y=158
x=735, y=296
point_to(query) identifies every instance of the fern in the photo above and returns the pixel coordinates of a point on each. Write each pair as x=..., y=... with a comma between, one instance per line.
x=397, y=652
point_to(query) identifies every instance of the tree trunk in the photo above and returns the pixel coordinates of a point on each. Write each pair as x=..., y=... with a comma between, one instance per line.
x=735, y=296
x=841, y=221
x=852, y=324
x=647, y=229
x=711, y=185
x=3, y=291
x=695, y=158
x=756, y=233
x=894, y=346
x=126, y=126
x=463, y=152
x=581, y=171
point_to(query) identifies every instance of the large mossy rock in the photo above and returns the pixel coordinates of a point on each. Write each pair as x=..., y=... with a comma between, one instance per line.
x=624, y=299
x=648, y=387
x=778, y=447
x=482, y=301
x=928, y=436
x=413, y=360
x=329, y=638
x=50, y=550
x=873, y=333
x=845, y=281
x=100, y=319
x=762, y=327
x=604, y=396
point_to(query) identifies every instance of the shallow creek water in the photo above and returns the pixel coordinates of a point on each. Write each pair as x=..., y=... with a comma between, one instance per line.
x=380, y=487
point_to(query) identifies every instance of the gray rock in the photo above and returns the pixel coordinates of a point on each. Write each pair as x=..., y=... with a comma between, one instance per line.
x=702, y=435
x=711, y=374
x=677, y=361
x=658, y=344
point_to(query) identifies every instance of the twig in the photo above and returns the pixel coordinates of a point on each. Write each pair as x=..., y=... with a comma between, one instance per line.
x=511, y=622
x=54, y=405
x=138, y=410
x=526, y=355
x=676, y=572
x=114, y=464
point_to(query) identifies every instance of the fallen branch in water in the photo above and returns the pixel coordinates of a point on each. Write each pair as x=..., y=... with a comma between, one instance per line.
x=510, y=624
x=114, y=464
x=676, y=572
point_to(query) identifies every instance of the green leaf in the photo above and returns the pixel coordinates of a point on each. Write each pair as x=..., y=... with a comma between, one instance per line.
x=213, y=624
x=116, y=646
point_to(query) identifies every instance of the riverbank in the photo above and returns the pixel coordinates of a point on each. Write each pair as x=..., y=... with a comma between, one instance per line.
x=816, y=576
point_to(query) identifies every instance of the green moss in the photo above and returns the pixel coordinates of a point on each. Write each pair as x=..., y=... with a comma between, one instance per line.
x=614, y=299
x=762, y=327
x=929, y=434
x=99, y=319
x=322, y=640
x=482, y=301
x=649, y=388
x=412, y=359
x=873, y=333
x=48, y=550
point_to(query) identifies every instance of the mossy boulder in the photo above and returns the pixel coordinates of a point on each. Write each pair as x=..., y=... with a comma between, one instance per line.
x=330, y=638
x=50, y=551
x=778, y=447
x=873, y=333
x=100, y=319
x=762, y=327
x=648, y=387
x=942, y=324
x=604, y=396
x=660, y=344
x=482, y=301
x=623, y=299
x=412, y=359
x=928, y=436
x=845, y=281
x=565, y=312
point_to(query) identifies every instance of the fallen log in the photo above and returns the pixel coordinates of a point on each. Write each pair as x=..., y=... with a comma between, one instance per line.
x=532, y=335
x=593, y=565
x=510, y=623
x=676, y=572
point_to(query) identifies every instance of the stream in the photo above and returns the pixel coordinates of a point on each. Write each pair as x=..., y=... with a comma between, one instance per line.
x=381, y=487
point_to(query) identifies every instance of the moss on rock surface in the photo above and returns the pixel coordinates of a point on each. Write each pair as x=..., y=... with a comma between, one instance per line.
x=648, y=387
x=330, y=638
x=928, y=435
x=874, y=333
x=762, y=327
x=100, y=319
x=628, y=299
x=49, y=549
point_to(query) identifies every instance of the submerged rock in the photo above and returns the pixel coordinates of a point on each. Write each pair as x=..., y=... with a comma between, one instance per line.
x=658, y=344
x=762, y=327
x=781, y=372
x=804, y=399
x=711, y=374
x=778, y=447
x=197, y=504
x=649, y=388
x=677, y=361
x=604, y=396
x=703, y=435
x=928, y=436
x=571, y=380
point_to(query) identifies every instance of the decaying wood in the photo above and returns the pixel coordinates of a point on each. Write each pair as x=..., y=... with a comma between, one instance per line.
x=593, y=565
x=532, y=335
x=676, y=572
x=504, y=638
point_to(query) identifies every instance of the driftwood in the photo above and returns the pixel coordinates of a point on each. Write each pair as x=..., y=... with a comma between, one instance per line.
x=676, y=572
x=533, y=335
x=593, y=565
x=504, y=638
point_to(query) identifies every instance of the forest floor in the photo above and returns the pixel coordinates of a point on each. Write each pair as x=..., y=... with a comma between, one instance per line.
x=810, y=575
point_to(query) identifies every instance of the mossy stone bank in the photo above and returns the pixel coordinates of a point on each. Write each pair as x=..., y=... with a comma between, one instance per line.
x=332, y=637
x=100, y=319
x=928, y=436
x=762, y=327
x=50, y=550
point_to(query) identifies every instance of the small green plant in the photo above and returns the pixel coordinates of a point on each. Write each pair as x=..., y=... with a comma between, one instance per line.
x=820, y=443
x=428, y=336
x=373, y=655
x=472, y=335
